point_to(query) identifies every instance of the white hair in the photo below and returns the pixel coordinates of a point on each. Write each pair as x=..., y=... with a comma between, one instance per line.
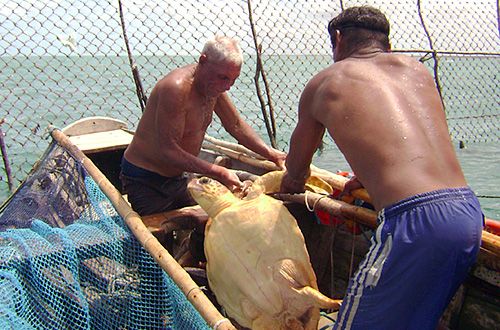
x=222, y=48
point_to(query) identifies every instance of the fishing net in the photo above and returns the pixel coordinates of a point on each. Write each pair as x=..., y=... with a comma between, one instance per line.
x=68, y=261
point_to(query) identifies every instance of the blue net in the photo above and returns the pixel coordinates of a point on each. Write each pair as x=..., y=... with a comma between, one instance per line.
x=68, y=261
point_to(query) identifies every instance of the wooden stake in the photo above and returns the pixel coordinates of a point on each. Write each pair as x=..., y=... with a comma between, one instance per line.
x=6, y=163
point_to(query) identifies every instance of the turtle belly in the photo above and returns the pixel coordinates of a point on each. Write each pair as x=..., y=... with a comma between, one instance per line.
x=246, y=246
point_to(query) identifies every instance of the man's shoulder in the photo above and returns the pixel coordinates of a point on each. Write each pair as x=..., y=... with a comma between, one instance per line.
x=324, y=75
x=328, y=78
x=320, y=87
x=401, y=60
x=175, y=79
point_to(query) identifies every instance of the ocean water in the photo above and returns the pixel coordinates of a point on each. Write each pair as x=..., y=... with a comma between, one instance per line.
x=38, y=91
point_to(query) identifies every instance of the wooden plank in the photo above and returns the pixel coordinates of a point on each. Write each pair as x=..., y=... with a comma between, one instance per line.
x=93, y=125
x=102, y=141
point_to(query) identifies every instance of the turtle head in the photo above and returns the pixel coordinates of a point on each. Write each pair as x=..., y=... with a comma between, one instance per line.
x=211, y=195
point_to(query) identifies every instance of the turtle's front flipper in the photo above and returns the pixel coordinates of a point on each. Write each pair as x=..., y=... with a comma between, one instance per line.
x=265, y=184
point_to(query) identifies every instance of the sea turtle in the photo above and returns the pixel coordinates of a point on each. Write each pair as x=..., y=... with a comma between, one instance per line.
x=257, y=263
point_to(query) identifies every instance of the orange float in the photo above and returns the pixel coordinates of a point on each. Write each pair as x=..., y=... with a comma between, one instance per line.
x=492, y=226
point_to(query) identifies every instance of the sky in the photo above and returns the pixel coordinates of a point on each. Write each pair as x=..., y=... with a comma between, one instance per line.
x=32, y=27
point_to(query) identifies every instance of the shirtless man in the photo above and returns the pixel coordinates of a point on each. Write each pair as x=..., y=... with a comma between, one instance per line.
x=171, y=131
x=386, y=116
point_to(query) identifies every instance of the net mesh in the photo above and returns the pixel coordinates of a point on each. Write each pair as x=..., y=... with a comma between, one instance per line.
x=64, y=60
x=68, y=261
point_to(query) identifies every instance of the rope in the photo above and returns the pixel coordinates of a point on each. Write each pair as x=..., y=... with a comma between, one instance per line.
x=218, y=323
x=328, y=326
x=315, y=202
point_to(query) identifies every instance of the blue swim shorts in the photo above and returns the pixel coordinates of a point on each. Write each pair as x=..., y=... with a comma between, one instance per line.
x=420, y=254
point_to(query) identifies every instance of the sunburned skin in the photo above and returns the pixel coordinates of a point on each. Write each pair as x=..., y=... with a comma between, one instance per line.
x=179, y=110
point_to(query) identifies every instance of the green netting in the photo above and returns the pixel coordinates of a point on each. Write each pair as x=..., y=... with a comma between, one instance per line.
x=72, y=263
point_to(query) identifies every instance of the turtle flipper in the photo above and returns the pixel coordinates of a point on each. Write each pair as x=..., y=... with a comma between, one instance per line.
x=316, y=300
x=265, y=184
x=271, y=183
x=300, y=281
x=300, y=285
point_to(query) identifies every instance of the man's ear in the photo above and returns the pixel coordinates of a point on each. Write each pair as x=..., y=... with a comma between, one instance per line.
x=338, y=37
x=202, y=59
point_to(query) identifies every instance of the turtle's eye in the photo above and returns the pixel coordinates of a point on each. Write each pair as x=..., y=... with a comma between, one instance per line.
x=204, y=180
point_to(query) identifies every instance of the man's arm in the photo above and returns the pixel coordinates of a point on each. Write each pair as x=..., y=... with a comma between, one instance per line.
x=305, y=139
x=241, y=131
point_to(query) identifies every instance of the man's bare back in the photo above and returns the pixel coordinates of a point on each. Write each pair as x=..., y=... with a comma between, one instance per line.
x=386, y=116
x=394, y=135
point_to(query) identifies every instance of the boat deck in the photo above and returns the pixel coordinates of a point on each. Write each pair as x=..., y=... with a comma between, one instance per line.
x=102, y=141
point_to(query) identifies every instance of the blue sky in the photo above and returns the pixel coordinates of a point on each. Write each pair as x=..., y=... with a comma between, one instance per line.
x=283, y=26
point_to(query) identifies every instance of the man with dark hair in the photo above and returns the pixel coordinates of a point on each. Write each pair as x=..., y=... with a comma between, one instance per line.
x=386, y=116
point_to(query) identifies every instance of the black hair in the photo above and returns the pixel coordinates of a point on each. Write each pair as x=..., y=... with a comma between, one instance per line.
x=361, y=26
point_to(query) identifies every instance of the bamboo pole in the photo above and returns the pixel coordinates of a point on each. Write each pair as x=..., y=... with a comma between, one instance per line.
x=491, y=242
x=264, y=164
x=338, y=182
x=335, y=207
x=190, y=289
x=233, y=146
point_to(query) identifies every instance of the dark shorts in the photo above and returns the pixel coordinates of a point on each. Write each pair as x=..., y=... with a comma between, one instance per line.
x=149, y=192
x=421, y=253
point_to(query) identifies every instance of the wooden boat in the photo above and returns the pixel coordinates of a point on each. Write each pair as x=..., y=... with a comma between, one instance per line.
x=335, y=249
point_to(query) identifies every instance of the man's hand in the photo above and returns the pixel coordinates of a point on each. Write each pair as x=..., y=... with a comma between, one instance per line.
x=278, y=157
x=230, y=180
x=351, y=185
x=292, y=185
